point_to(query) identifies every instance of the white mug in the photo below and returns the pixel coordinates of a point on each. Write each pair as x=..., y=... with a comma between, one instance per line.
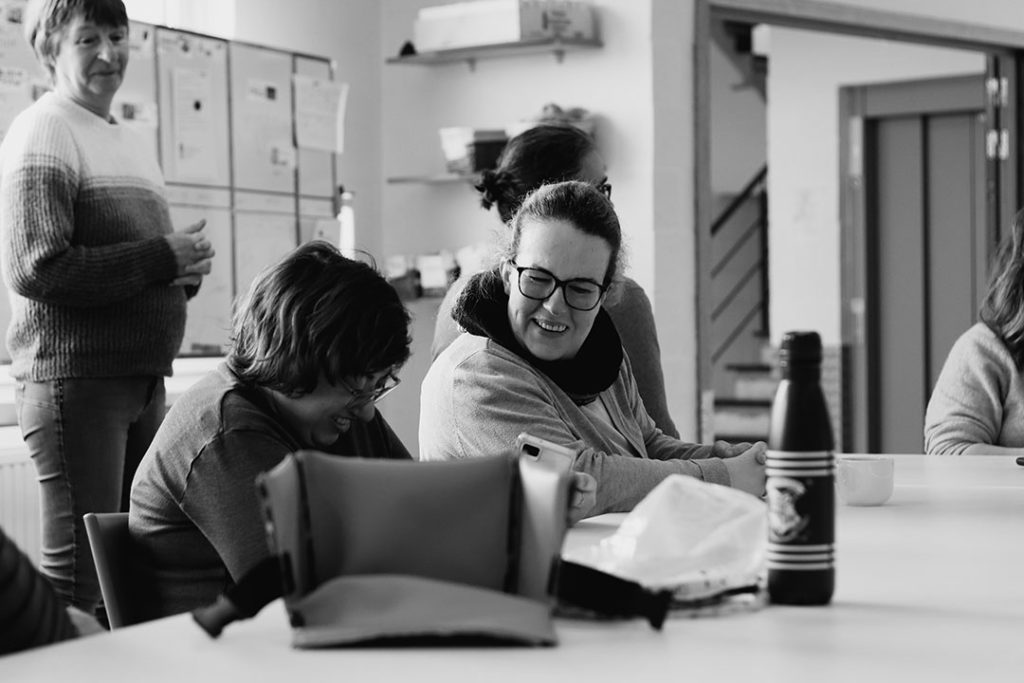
x=864, y=479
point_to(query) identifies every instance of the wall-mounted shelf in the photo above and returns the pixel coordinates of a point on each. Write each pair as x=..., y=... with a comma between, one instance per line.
x=437, y=179
x=470, y=55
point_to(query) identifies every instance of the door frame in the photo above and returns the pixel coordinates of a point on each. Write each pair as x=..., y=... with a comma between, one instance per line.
x=1005, y=48
x=859, y=107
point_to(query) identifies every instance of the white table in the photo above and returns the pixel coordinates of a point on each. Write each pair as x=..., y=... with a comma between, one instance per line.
x=930, y=587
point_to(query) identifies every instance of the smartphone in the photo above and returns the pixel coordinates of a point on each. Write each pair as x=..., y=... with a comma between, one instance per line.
x=552, y=454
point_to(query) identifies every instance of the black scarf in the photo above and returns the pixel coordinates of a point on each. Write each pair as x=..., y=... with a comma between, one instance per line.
x=482, y=310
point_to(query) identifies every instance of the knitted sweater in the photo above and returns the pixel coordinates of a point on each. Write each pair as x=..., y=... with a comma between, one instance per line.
x=82, y=220
x=978, y=398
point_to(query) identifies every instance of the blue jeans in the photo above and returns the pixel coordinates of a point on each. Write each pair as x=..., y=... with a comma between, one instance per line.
x=86, y=438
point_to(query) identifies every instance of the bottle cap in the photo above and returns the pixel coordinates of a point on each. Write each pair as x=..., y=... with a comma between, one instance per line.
x=800, y=347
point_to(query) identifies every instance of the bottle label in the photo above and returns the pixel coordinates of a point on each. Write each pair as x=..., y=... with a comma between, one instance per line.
x=801, y=510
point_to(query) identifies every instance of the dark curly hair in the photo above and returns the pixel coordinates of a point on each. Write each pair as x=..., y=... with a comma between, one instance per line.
x=543, y=154
x=1003, y=307
x=317, y=314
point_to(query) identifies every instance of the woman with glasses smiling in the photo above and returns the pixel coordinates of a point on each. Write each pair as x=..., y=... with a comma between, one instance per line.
x=316, y=343
x=541, y=355
x=549, y=154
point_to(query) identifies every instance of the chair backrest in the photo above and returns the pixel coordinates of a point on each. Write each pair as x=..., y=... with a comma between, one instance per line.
x=121, y=575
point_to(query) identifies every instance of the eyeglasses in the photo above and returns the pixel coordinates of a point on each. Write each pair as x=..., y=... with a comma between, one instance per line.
x=539, y=284
x=361, y=398
x=605, y=188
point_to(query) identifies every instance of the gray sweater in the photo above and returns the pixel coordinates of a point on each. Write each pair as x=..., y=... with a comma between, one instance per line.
x=978, y=398
x=478, y=396
x=194, y=511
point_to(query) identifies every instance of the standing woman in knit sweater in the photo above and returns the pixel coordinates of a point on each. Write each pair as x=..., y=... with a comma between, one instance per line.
x=98, y=278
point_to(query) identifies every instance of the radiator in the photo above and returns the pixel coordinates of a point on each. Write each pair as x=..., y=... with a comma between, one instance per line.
x=19, y=502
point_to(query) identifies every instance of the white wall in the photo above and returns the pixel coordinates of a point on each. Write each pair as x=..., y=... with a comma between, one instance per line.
x=673, y=244
x=212, y=17
x=614, y=82
x=418, y=100
x=739, y=127
x=805, y=73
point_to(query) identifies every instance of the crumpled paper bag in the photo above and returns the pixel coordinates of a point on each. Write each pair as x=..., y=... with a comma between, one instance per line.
x=686, y=535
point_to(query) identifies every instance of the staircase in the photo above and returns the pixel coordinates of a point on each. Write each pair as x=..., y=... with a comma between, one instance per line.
x=742, y=363
x=743, y=374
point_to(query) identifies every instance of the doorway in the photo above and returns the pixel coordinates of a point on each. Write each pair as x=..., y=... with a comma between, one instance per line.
x=918, y=240
x=854, y=312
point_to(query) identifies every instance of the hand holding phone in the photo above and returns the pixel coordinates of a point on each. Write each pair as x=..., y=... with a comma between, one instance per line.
x=546, y=452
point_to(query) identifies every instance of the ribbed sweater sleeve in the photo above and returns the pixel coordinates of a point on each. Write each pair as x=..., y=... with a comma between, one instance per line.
x=634, y=319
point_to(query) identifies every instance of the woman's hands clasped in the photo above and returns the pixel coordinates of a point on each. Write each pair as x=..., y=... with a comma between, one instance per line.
x=583, y=497
x=745, y=464
x=193, y=253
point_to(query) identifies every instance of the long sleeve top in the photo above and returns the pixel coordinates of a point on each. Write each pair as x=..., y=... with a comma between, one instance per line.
x=194, y=511
x=31, y=614
x=978, y=398
x=478, y=396
x=83, y=216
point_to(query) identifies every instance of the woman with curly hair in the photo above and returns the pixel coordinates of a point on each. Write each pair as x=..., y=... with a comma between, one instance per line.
x=316, y=343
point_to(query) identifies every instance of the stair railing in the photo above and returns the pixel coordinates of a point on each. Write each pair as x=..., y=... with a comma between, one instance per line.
x=754, y=190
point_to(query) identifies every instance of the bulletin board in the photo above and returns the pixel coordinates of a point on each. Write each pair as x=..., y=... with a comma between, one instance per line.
x=207, y=325
x=312, y=115
x=22, y=79
x=135, y=103
x=261, y=239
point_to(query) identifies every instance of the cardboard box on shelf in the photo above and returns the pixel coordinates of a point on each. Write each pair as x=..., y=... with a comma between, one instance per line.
x=494, y=22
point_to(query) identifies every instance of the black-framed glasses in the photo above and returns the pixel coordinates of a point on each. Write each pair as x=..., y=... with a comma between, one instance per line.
x=605, y=188
x=538, y=284
x=361, y=398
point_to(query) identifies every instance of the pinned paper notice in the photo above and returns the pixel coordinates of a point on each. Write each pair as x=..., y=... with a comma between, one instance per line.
x=258, y=90
x=320, y=113
x=193, y=123
x=283, y=155
x=140, y=41
x=143, y=114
